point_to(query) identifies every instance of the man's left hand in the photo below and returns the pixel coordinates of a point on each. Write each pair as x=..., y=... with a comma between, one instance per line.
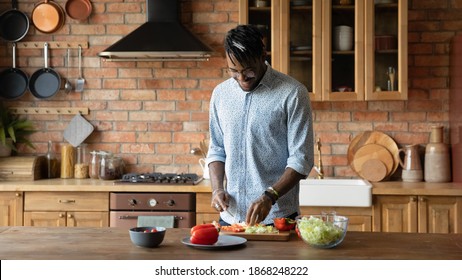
x=258, y=210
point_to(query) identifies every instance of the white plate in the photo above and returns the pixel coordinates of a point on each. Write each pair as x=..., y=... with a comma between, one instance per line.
x=224, y=241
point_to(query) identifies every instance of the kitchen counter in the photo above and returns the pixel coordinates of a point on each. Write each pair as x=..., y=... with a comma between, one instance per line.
x=114, y=243
x=92, y=185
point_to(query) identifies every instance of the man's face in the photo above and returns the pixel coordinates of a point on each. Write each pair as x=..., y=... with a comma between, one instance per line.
x=247, y=76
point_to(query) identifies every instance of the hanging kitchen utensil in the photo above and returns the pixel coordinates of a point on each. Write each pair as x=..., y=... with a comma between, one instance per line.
x=68, y=85
x=48, y=16
x=80, y=80
x=78, y=130
x=14, y=24
x=13, y=81
x=45, y=82
x=78, y=9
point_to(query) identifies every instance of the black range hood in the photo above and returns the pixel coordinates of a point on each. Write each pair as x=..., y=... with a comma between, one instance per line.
x=161, y=38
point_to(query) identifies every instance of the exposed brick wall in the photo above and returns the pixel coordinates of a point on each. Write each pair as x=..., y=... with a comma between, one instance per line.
x=153, y=113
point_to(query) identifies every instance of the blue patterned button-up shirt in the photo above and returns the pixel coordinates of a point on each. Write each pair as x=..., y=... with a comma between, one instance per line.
x=257, y=135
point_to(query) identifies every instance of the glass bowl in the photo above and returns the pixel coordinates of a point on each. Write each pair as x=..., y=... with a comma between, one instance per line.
x=322, y=231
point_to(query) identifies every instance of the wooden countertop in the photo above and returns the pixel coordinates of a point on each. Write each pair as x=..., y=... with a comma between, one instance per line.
x=92, y=185
x=114, y=243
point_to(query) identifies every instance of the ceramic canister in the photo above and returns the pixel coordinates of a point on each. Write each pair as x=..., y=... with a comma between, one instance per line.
x=437, y=161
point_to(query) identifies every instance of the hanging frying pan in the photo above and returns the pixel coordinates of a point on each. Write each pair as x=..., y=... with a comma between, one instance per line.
x=45, y=82
x=13, y=81
x=48, y=16
x=78, y=9
x=14, y=24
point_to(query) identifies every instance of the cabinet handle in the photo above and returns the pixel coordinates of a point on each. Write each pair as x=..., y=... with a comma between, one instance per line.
x=61, y=215
x=413, y=199
x=17, y=194
x=422, y=199
x=69, y=216
x=67, y=201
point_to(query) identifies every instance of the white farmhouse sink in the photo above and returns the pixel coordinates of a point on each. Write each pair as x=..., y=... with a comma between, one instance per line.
x=335, y=192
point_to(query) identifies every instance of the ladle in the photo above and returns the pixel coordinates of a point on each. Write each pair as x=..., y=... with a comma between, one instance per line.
x=68, y=85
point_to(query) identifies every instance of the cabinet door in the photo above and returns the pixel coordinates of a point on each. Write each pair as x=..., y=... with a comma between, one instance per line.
x=300, y=47
x=395, y=213
x=206, y=218
x=45, y=219
x=386, y=50
x=440, y=214
x=343, y=51
x=267, y=19
x=11, y=205
x=87, y=219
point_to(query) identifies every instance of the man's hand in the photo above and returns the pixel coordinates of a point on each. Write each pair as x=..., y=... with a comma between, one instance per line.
x=258, y=210
x=220, y=200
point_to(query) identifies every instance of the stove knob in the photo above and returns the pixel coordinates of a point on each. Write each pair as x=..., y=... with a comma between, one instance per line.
x=171, y=202
x=132, y=202
x=152, y=202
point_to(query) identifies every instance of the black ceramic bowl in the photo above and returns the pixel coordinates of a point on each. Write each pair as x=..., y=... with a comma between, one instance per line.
x=146, y=237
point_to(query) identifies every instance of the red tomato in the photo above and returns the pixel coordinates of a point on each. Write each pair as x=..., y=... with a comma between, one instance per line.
x=284, y=224
x=206, y=234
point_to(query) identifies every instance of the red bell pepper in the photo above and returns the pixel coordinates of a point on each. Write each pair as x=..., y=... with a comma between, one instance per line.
x=284, y=224
x=206, y=234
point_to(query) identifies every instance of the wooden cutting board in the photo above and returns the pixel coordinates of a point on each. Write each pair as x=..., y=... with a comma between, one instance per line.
x=374, y=137
x=373, y=151
x=281, y=236
x=373, y=170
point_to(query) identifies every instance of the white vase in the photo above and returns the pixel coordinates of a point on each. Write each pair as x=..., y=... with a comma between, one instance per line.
x=5, y=151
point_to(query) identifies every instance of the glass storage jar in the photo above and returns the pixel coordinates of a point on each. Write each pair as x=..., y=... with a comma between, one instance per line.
x=94, y=165
x=81, y=168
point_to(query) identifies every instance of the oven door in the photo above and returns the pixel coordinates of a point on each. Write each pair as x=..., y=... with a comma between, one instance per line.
x=129, y=219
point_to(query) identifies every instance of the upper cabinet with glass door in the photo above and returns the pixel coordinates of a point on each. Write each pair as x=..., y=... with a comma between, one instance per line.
x=294, y=37
x=340, y=49
x=386, y=50
x=343, y=50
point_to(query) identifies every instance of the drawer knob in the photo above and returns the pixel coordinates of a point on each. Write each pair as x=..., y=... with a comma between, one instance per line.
x=61, y=215
x=17, y=194
x=69, y=216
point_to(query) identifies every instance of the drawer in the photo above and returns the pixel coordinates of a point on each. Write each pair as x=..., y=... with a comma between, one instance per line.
x=66, y=201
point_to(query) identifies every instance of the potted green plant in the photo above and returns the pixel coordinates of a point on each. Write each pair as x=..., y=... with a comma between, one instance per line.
x=13, y=129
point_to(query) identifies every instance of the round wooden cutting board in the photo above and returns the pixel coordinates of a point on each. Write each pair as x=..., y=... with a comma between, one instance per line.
x=374, y=137
x=373, y=151
x=373, y=170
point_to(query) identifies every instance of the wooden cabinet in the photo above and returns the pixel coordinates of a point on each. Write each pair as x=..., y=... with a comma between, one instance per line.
x=425, y=214
x=360, y=218
x=11, y=208
x=71, y=209
x=204, y=212
x=303, y=42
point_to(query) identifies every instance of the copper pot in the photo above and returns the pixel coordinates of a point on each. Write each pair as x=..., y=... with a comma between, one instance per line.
x=48, y=16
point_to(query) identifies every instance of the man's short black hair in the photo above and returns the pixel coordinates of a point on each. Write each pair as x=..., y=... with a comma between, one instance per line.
x=245, y=44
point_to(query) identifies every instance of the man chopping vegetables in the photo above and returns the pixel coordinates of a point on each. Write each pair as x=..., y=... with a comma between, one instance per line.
x=261, y=136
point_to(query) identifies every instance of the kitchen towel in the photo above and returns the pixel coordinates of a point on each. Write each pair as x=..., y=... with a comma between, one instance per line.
x=156, y=221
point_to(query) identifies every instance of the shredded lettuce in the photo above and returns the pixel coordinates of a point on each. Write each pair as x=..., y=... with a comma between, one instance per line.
x=317, y=232
x=260, y=229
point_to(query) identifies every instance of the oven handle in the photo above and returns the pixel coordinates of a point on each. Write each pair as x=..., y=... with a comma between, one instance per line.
x=131, y=217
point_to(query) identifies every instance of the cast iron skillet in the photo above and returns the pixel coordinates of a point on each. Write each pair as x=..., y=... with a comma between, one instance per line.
x=13, y=81
x=45, y=82
x=14, y=24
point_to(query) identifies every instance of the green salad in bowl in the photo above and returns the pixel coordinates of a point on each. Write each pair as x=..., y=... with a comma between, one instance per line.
x=322, y=231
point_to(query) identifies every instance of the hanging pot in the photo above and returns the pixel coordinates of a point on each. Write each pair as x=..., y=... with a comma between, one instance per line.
x=48, y=17
x=45, y=82
x=78, y=9
x=14, y=24
x=13, y=81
